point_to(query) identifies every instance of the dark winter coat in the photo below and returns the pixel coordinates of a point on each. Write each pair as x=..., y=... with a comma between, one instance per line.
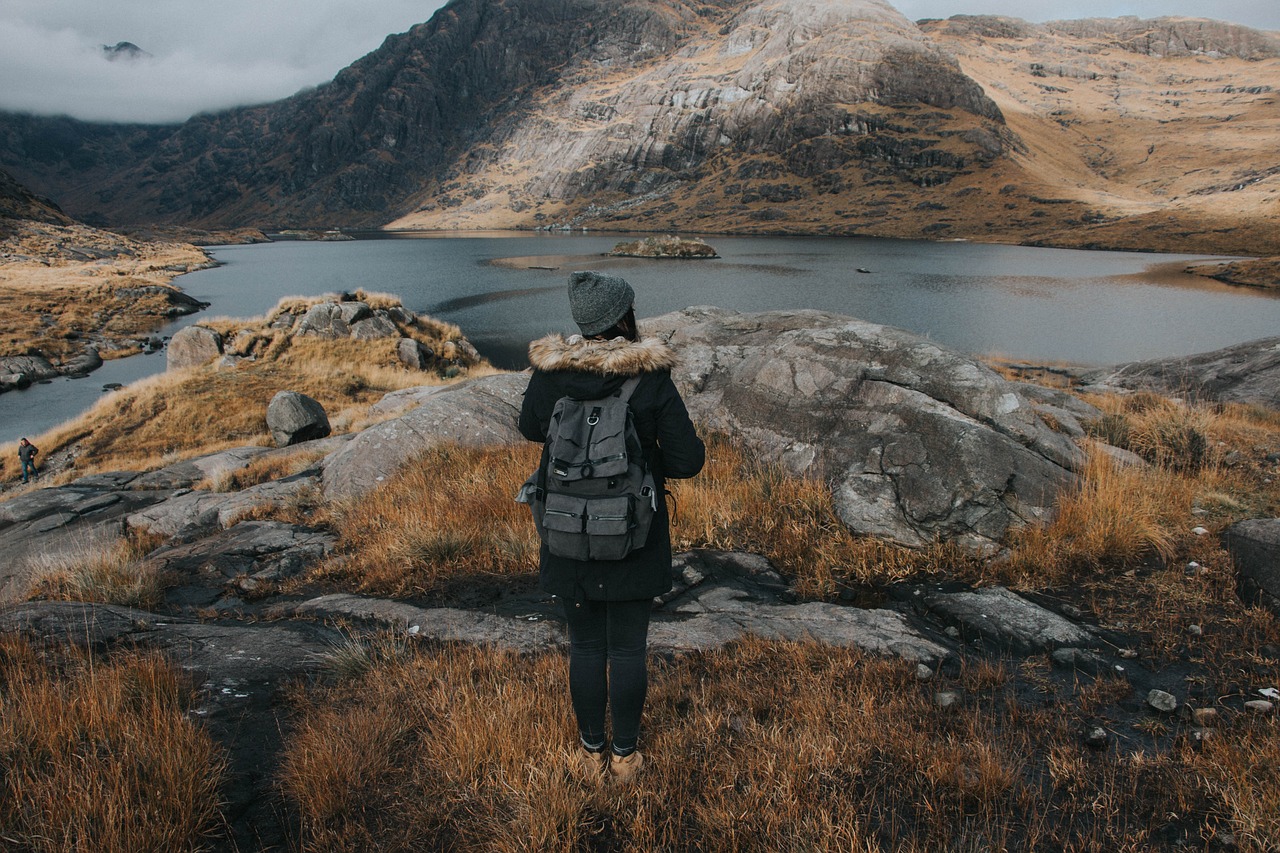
x=587, y=370
x=27, y=452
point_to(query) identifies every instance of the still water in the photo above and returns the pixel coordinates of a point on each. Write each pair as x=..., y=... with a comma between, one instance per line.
x=1038, y=304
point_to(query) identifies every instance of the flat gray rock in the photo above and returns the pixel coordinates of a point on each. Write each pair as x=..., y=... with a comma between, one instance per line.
x=720, y=615
x=213, y=466
x=478, y=412
x=1010, y=620
x=64, y=521
x=192, y=513
x=1244, y=373
x=439, y=623
x=263, y=550
x=720, y=597
x=395, y=402
x=239, y=653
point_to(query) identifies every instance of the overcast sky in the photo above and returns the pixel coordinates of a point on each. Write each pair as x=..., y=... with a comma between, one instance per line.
x=251, y=51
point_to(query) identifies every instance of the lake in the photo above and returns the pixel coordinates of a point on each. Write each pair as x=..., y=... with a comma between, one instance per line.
x=1083, y=307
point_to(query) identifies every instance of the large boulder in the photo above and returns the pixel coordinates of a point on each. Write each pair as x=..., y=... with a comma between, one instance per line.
x=192, y=347
x=1244, y=373
x=1255, y=550
x=32, y=367
x=477, y=412
x=919, y=442
x=294, y=418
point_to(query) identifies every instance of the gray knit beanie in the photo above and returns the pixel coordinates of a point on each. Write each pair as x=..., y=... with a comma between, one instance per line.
x=598, y=301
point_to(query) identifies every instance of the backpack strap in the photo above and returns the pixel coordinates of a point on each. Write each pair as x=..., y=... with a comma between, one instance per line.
x=628, y=388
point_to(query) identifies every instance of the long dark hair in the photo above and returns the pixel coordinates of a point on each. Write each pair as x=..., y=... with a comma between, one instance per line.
x=624, y=328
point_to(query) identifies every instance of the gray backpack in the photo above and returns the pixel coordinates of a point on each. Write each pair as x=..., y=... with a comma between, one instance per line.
x=593, y=497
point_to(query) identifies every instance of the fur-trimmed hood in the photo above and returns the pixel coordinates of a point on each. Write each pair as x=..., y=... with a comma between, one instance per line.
x=618, y=357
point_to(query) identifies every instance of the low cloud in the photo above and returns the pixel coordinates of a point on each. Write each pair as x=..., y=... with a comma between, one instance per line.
x=245, y=52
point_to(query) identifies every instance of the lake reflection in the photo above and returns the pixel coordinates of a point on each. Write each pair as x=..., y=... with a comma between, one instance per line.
x=1038, y=304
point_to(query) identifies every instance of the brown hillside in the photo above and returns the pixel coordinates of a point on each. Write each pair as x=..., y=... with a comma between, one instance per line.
x=1118, y=133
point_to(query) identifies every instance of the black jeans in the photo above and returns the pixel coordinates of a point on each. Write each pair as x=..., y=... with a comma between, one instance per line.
x=607, y=666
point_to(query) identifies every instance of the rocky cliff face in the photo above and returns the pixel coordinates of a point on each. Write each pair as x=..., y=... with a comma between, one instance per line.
x=769, y=116
x=493, y=109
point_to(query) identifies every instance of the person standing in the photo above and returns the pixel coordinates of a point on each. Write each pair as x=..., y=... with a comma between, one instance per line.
x=607, y=602
x=27, y=456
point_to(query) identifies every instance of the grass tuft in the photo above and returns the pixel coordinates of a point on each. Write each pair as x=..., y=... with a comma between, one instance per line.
x=101, y=755
x=110, y=572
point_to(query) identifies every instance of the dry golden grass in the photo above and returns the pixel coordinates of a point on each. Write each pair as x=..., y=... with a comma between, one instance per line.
x=1124, y=516
x=450, y=517
x=1119, y=517
x=57, y=301
x=181, y=414
x=109, y=572
x=100, y=756
x=762, y=746
x=263, y=469
x=741, y=503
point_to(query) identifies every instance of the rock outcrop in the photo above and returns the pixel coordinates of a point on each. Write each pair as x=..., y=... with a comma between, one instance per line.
x=1244, y=373
x=920, y=442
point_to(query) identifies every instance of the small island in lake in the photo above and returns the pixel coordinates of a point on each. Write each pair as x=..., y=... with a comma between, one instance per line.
x=666, y=246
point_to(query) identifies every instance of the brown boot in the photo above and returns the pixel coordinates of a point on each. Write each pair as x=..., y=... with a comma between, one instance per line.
x=592, y=764
x=623, y=768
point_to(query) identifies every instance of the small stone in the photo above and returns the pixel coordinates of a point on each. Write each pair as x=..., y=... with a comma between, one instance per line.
x=1273, y=457
x=1081, y=659
x=923, y=672
x=950, y=698
x=953, y=632
x=1165, y=703
x=1195, y=630
x=1232, y=458
x=1096, y=738
x=1199, y=531
x=1128, y=654
x=1199, y=511
x=1205, y=718
x=1269, y=693
x=1259, y=706
x=1193, y=567
x=1201, y=736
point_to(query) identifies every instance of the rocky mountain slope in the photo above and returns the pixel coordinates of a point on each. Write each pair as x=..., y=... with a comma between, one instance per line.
x=18, y=203
x=772, y=116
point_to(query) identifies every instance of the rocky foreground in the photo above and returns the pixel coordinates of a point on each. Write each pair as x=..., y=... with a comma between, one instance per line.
x=918, y=443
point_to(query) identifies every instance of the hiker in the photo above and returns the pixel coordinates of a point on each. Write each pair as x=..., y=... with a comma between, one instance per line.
x=607, y=602
x=27, y=456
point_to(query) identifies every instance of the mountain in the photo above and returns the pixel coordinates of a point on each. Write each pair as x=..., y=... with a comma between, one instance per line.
x=19, y=203
x=769, y=116
x=124, y=51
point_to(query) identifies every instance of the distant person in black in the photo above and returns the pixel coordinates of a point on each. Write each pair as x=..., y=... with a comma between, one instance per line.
x=607, y=602
x=27, y=455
